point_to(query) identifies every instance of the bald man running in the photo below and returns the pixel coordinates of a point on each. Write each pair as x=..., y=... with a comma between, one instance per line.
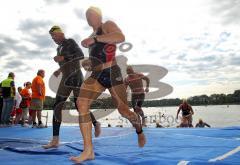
x=135, y=81
x=68, y=57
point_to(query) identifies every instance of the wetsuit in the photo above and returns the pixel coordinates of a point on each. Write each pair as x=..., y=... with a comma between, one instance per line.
x=72, y=79
x=202, y=125
x=101, y=53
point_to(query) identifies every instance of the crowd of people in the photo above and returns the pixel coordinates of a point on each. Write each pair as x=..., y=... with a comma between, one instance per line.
x=24, y=104
x=105, y=74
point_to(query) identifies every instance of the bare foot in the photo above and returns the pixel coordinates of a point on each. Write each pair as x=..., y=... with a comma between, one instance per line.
x=52, y=144
x=83, y=157
x=97, y=129
x=141, y=140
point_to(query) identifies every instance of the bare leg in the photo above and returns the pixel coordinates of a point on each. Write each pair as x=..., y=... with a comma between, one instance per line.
x=39, y=115
x=190, y=121
x=119, y=96
x=56, y=122
x=97, y=128
x=97, y=125
x=54, y=143
x=30, y=119
x=85, y=127
x=140, y=112
x=90, y=90
x=18, y=117
x=34, y=116
x=24, y=116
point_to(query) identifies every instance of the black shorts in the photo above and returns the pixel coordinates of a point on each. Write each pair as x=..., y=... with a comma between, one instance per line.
x=138, y=99
x=108, y=77
x=70, y=83
x=185, y=113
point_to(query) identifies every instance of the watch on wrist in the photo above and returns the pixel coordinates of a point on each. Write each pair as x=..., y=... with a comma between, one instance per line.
x=95, y=39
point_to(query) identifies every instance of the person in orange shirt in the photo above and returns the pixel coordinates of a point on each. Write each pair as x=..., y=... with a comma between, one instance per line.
x=38, y=96
x=25, y=103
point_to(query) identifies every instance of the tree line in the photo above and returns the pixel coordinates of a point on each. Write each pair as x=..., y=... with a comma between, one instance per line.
x=106, y=103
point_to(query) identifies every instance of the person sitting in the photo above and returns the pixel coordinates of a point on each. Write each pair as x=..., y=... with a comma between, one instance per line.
x=202, y=124
x=158, y=125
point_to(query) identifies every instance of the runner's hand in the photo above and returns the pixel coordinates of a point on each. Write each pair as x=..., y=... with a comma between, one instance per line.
x=56, y=73
x=58, y=58
x=146, y=89
x=87, y=42
x=87, y=65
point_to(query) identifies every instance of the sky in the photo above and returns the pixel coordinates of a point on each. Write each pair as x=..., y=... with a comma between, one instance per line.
x=197, y=42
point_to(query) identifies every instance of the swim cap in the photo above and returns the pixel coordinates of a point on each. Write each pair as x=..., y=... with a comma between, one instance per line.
x=95, y=9
x=55, y=29
x=184, y=100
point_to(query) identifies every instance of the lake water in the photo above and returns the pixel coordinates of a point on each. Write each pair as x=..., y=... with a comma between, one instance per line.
x=214, y=115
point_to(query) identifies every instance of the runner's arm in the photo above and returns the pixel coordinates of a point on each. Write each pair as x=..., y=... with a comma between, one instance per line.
x=178, y=112
x=113, y=34
x=57, y=72
x=147, y=82
x=207, y=125
x=126, y=83
x=191, y=110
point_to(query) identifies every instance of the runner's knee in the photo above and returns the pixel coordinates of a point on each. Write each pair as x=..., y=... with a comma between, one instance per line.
x=124, y=110
x=83, y=105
